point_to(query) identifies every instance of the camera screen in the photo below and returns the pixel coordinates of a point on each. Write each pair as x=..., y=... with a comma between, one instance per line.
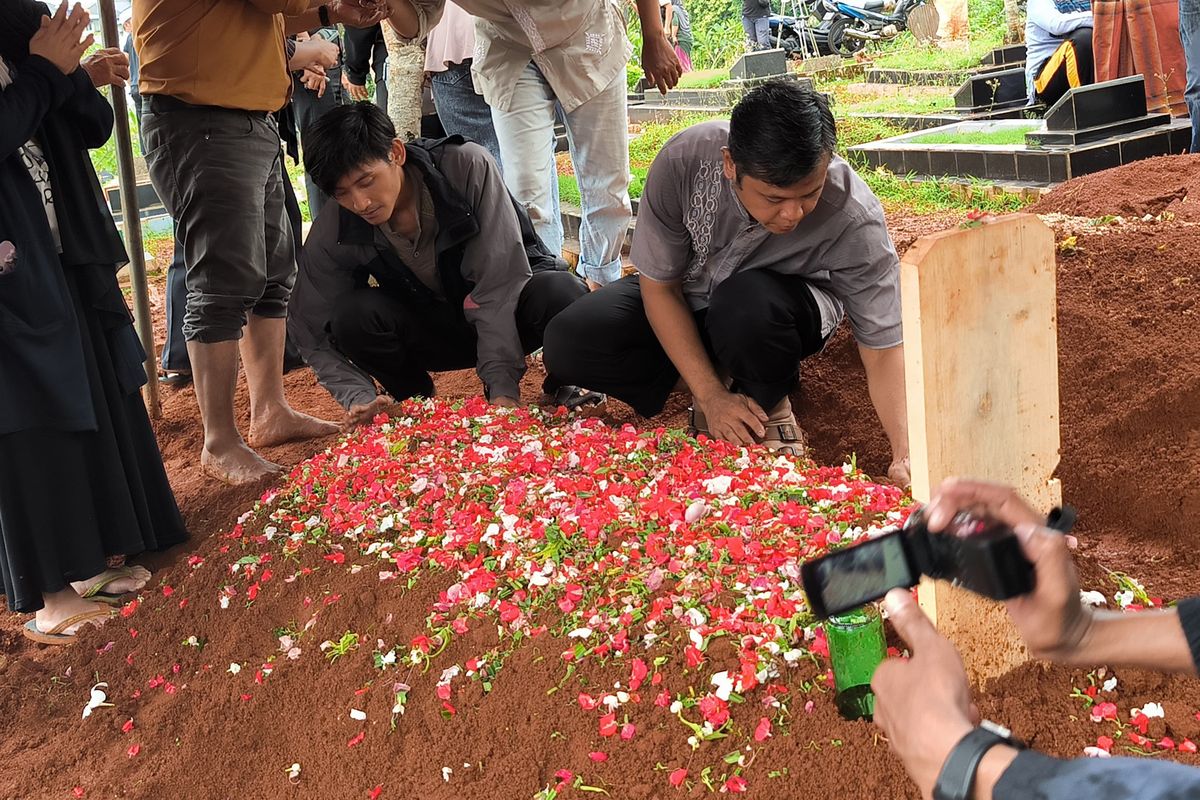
x=849, y=578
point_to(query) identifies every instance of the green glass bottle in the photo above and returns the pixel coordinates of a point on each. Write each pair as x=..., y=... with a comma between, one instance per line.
x=856, y=647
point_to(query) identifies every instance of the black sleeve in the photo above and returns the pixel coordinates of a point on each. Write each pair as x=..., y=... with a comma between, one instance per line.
x=89, y=110
x=1033, y=776
x=1189, y=617
x=357, y=44
x=37, y=89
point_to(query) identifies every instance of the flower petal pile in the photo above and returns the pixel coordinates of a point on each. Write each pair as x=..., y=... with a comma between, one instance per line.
x=635, y=549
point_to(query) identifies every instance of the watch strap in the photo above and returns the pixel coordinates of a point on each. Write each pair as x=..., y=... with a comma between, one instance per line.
x=956, y=781
x=323, y=14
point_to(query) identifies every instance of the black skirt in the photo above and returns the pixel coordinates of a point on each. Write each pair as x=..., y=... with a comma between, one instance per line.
x=69, y=500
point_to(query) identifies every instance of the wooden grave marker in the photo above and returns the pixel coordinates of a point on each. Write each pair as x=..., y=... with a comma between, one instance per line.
x=981, y=375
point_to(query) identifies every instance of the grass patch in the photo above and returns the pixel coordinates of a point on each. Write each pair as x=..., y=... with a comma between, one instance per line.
x=704, y=79
x=1013, y=135
x=568, y=187
x=654, y=135
x=897, y=104
x=986, y=21
x=857, y=130
x=898, y=193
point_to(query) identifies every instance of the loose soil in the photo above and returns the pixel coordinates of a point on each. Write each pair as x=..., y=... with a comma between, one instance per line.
x=1130, y=389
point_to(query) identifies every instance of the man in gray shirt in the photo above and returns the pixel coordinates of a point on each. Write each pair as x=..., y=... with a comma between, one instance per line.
x=425, y=264
x=753, y=240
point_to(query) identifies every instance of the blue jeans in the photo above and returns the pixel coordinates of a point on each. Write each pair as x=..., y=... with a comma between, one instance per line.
x=598, y=135
x=758, y=32
x=1189, y=33
x=461, y=111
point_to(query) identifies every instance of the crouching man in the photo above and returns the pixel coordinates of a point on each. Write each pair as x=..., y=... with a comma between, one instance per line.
x=753, y=240
x=424, y=265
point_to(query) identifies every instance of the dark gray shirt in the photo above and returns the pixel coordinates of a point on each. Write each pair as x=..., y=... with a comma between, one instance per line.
x=692, y=227
x=420, y=253
x=756, y=8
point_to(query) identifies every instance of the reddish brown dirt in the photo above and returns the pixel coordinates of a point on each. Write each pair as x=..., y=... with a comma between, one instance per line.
x=1164, y=184
x=1131, y=464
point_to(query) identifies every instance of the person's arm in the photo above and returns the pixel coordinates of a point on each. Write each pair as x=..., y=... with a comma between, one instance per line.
x=659, y=61
x=1032, y=774
x=413, y=19
x=38, y=88
x=662, y=251
x=1052, y=620
x=304, y=15
x=356, y=55
x=1044, y=15
x=885, y=383
x=496, y=263
x=864, y=274
x=313, y=52
x=88, y=110
x=320, y=282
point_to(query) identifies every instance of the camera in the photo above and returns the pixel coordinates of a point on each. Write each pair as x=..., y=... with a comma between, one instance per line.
x=975, y=552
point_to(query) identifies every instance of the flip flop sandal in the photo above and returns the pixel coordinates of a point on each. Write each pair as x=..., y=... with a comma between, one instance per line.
x=175, y=380
x=55, y=636
x=697, y=424
x=575, y=397
x=96, y=590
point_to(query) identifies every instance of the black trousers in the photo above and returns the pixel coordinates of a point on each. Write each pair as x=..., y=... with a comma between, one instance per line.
x=1069, y=67
x=758, y=326
x=399, y=341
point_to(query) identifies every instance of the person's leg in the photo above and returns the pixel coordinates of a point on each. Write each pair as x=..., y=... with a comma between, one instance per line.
x=174, y=354
x=603, y=341
x=598, y=132
x=379, y=64
x=309, y=108
x=749, y=28
x=391, y=343
x=462, y=111
x=1069, y=67
x=761, y=325
x=1189, y=34
x=762, y=33
x=272, y=420
x=543, y=298
x=526, y=136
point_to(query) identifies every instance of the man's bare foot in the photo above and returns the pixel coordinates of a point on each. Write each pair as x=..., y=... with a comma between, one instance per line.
x=288, y=425
x=118, y=580
x=237, y=465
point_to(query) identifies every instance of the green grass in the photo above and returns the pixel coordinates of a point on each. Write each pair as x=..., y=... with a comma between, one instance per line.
x=568, y=187
x=1013, y=135
x=654, y=135
x=704, y=79
x=856, y=130
x=898, y=193
x=986, y=21
x=897, y=104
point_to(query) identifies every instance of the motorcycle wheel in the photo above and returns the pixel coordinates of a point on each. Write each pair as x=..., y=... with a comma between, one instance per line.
x=834, y=41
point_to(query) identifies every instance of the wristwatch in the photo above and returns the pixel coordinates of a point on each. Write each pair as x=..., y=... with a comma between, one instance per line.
x=323, y=14
x=956, y=781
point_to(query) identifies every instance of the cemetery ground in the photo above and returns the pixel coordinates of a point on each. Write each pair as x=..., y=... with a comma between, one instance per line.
x=463, y=603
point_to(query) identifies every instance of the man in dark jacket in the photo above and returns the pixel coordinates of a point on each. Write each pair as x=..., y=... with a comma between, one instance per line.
x=427, y=264
x=923, y=704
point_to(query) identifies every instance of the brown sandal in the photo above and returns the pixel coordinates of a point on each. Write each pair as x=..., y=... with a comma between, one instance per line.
x=783, y=434
x=56, y=636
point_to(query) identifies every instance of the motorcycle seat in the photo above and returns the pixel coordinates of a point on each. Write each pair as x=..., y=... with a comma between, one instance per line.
x=866, y=5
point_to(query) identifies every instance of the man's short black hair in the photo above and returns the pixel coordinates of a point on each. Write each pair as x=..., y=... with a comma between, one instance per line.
x=346, y=138
x=780, y=132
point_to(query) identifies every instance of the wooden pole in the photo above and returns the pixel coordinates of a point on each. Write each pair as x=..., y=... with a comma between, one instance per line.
x=981, y=368
x=132, y=220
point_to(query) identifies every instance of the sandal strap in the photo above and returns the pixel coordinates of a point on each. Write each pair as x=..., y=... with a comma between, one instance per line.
x=107, y=577
x=86, y=616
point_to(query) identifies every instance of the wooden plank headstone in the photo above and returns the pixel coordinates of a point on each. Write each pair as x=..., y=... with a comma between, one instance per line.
x=981, y=373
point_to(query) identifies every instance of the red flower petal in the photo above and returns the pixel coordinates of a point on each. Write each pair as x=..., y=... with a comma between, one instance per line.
x=599, y=757
x=133, y=750
x=374, y=793
x=356, y=739
x=763, y=730
x=608, y=724
x=128, y=726
x=677, y=777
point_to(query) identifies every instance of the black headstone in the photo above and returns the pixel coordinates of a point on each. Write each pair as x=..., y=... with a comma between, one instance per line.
x=1099, y=104
x=760, y=64
x=1009, y=54
x=992, y=89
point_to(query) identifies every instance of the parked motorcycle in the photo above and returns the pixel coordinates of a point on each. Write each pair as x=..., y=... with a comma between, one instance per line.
x=847, y=25
x=794, y=34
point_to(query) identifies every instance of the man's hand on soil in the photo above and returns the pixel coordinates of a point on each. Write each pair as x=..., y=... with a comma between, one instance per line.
x=923, y=703
x=733, y=417
x=363, y=414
